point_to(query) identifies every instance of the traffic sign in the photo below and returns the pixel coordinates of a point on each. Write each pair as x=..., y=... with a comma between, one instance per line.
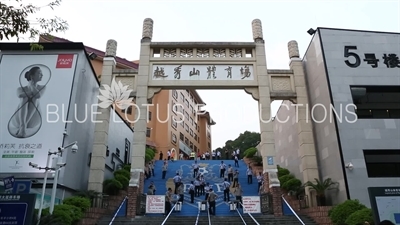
x=22, y=187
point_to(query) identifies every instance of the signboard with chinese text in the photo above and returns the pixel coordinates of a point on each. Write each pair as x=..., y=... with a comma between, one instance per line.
x=251, y=204
x=385, y=202
x=17, y=209
x=155, y=204
x=203, y=72
x=35, y=96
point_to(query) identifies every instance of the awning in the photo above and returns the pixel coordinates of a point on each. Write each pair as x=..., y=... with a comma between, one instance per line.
x=151, y=144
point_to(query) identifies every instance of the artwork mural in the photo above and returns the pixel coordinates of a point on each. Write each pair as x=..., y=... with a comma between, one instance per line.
x=203, y=72
x=34, y=100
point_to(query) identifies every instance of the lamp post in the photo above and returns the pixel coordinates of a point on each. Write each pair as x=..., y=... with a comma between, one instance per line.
x=47, y=168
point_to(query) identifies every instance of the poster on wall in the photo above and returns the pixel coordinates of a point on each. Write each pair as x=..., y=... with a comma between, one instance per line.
x=251, y=204
x=35, y=94
x=155, y=203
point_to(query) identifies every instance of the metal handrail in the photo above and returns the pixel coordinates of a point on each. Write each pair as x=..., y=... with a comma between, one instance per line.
x=208, y=213
x=251, y=216
x=198, y=215
x=291, y=209
x=241, y=217
x=166, y=218
x=119, y=208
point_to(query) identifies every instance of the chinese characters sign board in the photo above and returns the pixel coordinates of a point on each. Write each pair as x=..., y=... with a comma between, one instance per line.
x=251, y=204
x=17, y=209
x=203, y=72
x=354, y=60
x=33, y=119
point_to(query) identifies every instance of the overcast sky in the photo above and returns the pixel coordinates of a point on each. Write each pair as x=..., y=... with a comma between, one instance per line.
x=93, y=22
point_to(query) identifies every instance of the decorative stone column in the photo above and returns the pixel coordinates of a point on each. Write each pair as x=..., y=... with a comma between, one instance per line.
x=139, y=136
x=307, y=153
x=267, y=144
x=98, y=159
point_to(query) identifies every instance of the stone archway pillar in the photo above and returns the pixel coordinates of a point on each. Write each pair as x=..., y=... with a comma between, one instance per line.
x=307, y=153
x=136, y=182
x=98, y=156
x=267, y=143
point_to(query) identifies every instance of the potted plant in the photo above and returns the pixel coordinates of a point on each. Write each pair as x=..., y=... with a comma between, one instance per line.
x=320, y=187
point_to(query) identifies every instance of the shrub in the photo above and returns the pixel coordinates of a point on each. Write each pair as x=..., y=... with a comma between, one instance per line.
x=127, y=168
x=62, y=215
x=112, y=186
x=80, y=202
x=360, y=216
x=292, y=184
x=285, y=178
x=282, y=171
x=258, y=160
x=123, y=180
x=341, y=212
x=250, y=152
x=123, y=173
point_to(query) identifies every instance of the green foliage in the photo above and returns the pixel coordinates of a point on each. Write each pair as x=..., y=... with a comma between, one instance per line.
x=340, y=213
x=127, y=168
x=82, y=203
x=123, y=173
x=17, y=21
x=250, y=152
x=359, y=217
x=123, y=180
x=292, y=185
x=282, y=171
x=321, y=186
x=149, y=154
x=62, y=215
x=245, y=141
x=285, y=178
x=112, y=186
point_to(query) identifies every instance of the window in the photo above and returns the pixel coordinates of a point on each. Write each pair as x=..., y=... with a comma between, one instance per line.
x=149, y=117
x=191, y=132
x=181, y=137
x=209, y=145
x=192, y=110
x=175, y=94
x=191, y=121
x=382, y=163
x=174, y=124
x=173, y=138
x=182, y=97
x=195, y=136
x=195, y=125
x=195, y=148
x=148, y=132
x=186, y=115
x=150, y=101
x=187, y=127
x=191, y=97
x=182, y=124
x=174, y=107
x=187, y=103
x=198, y=139
x=128, y=110
x=376, y=102
x=186, y=141
x=191, y=145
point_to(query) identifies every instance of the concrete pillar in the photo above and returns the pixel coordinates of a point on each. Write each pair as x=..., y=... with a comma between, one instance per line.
x=307, y=153
x=267, y=144
x=98, y=160
x=140, y=126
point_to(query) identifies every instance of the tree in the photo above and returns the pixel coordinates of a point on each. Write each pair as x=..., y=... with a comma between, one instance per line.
x=245, y=141
x=15, y=21
x=320, y=188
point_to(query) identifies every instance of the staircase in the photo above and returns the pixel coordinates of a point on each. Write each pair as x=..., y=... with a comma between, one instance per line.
x=210, y=170
x=203, y=220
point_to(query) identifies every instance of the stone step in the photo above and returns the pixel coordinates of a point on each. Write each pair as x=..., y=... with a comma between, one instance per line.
x=188, y=220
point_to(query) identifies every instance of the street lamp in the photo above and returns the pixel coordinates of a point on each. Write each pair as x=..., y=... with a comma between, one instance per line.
x=74, y=148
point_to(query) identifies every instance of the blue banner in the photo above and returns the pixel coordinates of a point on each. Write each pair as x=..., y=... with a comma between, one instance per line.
x=13, y=213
